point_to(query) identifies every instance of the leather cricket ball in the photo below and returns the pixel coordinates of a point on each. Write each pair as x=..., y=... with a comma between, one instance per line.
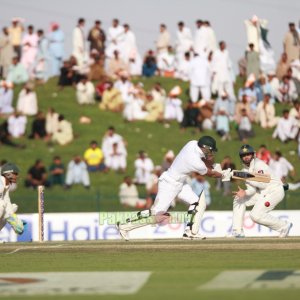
x=267, y=204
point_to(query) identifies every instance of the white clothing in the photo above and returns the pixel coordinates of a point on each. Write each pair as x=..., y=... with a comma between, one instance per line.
x=124, y=87
x=172, y=182
x=6, y=207
x=263, y=196
x=173, y=110
x=183, y=70
x=166, y=62
x=281, y=167
x=51, y=122
x=163, y=41
x=27, y=103
x=108, y=141
x=222, y=69
x=79, y=46
x=143, y=169
x=129, y=195
x=201, y=40
x=286, y=129
x=200, y=78
x=85, y=93
x=116, y=160
x=290, y=92
x=17, y=126
x=6, y=100
x=29, y=51
x=135, y=67
x=129, y=47
x=211, y=39
x=184, y=42
x=115, y=39
x=77, y=173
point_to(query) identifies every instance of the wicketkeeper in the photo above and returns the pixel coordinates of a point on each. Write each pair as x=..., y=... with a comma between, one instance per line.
x=262, y=196
x=8, y=183
x=195, y=156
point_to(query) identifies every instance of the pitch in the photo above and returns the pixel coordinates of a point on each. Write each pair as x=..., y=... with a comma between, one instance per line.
x=251, y=268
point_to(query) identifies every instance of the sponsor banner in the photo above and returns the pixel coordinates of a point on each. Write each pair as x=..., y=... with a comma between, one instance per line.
x=97, y=226
x=75, y=283
x=254, y=279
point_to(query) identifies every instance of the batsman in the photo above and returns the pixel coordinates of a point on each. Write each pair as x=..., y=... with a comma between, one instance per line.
x=195, y=156
x=263, y=196
x=8, y=183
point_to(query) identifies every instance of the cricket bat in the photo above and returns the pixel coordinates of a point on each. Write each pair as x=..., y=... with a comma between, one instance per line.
x=243, y=175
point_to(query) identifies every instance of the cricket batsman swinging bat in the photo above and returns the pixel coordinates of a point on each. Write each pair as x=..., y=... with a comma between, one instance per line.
x=243, y=175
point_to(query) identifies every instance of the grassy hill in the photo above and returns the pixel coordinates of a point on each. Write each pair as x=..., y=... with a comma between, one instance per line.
x=151, y=137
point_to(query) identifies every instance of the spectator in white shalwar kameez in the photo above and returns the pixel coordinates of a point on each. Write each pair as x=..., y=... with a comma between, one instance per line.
x=6, y=97
x=287, y=127
x=143, y=168
x=79, y=43
x=222, y=71
x=166, y=63
x=109, y=140
x=64, y=133
x=211, y=37
x=77, y=173
x=183, y=68
x=134, y=106
x=27, y=103
x=163, y=41
x=129, y=195
x=200, y=78
x=129, y=45
x=17, y=125
x=116, y=159
x=265, y=113
x=123, y=84
x=85, y=91
x=29, y=49
x=287, y=90
x=115, y=39
x=281, y=166
x=51, y=121
x=184, y=41
x=201, y=38
x=173, y=106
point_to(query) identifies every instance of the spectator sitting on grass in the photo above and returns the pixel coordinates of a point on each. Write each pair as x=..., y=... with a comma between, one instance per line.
x=38, y=129
x=77, y=173
x=129, y=195
x=37, y=175
x=64, y=132
x=94, y=158
x=57, y=172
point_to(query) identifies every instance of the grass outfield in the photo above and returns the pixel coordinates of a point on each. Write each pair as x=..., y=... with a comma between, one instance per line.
x=151, y=137
x=178, y=268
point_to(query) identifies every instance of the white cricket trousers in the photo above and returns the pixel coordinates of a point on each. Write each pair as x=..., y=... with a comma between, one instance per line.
x=168, y=190
x=262, y=204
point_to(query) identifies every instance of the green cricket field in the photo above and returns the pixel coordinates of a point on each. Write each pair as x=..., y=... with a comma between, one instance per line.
x=250, y=268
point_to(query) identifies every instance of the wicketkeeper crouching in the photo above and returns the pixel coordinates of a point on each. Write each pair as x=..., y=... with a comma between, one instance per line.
x=8, y=183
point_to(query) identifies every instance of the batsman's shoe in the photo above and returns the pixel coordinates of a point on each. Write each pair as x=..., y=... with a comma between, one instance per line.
x=122, y=231
x=189, y=236
x=284, y=232
x=16, y=224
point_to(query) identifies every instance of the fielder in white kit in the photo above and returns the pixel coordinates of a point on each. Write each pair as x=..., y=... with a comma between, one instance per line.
x=262, y=196
x=8, y=183
x=195, y=156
